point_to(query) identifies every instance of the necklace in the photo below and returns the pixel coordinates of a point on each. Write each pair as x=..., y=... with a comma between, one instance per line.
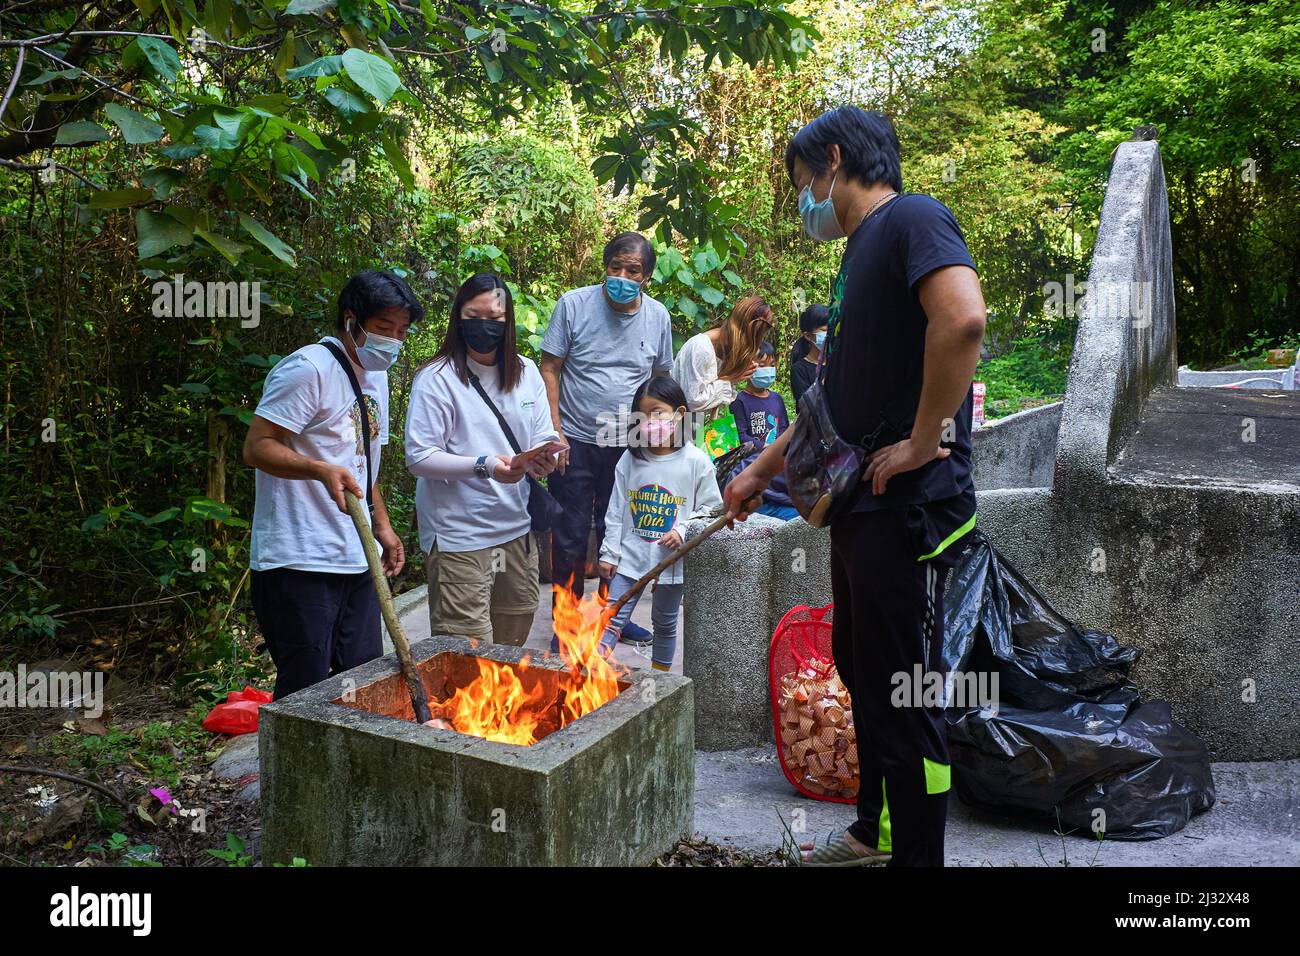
x=875, y=205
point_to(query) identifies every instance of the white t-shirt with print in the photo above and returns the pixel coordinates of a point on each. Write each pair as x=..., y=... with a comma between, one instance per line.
x=448, y=415
x=651, y=497
x=296, y=524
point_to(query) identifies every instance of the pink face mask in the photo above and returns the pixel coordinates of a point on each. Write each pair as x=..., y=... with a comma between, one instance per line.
x=658, y=431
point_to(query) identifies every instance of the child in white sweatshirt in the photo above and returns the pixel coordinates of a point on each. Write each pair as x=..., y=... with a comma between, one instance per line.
x=661, y=481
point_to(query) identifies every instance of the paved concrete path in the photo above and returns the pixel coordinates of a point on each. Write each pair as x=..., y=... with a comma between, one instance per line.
x=739, y=794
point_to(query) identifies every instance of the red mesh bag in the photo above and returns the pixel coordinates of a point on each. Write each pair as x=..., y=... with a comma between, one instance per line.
x=811, y=716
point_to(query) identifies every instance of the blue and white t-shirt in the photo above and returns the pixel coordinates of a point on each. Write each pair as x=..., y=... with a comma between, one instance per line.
x=651, y=497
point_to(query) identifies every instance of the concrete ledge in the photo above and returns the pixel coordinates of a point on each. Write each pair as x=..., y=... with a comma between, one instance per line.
x=739, y=585
x=1018, y=451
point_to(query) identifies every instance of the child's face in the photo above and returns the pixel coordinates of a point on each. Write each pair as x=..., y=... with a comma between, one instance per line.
x=765, y=361
x=659, y=421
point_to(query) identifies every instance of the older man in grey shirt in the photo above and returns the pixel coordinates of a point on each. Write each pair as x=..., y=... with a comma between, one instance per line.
x=602, y=343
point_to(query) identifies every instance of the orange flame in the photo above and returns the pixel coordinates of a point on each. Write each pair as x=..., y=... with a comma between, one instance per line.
x=496, y=706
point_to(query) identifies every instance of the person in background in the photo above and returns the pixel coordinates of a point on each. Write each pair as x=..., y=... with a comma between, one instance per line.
x=807, y=350
x=661, y=481
x=471, y=501
x=310, y=585
x=710, y=364
x=603, y=341
x=760, y=419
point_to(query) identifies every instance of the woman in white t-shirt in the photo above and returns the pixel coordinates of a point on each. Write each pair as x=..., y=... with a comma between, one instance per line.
x=710, y=364
x=471, y=499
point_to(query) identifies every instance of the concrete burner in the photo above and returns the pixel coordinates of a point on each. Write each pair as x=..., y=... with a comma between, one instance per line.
x=348, y=778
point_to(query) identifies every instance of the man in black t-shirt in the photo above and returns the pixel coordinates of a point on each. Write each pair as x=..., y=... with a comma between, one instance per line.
x=904, y=332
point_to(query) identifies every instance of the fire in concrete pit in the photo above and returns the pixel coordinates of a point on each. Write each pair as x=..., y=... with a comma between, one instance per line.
x=349, y=778
x=518, y=704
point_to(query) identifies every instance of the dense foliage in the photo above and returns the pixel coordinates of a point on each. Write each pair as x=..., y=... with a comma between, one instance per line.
x=293, y=142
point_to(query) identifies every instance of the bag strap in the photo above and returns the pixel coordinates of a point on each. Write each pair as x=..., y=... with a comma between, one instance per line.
x=365, y=419
x=501, y=419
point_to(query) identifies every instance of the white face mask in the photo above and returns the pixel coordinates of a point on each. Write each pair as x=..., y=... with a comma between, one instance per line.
x=379, y=351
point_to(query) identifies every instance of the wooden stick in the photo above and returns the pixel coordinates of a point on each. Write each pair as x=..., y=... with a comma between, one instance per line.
x=419, y=700
x=673, y=557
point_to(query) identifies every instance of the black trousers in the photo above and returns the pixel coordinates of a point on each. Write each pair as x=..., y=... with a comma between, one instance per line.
x=889, y=619
x=316, y=623
x=583, y=492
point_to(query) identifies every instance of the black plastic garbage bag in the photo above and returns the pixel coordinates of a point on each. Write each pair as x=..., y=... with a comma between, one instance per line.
x=996, y=621
x=1132, y=773
x=1069, y=736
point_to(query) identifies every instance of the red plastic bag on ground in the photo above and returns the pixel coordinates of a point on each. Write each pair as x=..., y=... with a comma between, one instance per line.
x=238, y=715
x=811, y=713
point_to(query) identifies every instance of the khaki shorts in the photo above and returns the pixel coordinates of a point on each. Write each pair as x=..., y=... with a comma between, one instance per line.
x=480, y=592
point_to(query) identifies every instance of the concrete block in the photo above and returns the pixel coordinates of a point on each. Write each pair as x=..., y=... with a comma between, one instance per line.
x=365, y=785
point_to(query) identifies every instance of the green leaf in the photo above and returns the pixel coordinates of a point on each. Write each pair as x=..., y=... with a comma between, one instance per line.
x=323, y=66
x=161, y=180
x=229, y=248
x=160, y=55
x=198, y=388
x=305, y=8
x=492, y=64
x=136, y=128
x=372, y=73
x=346, y=102
x=709, y=294
x=82, y=131
x=165, y=515
x=284, y=57
x=157, y=232
x=396, y=157
x=274, y=243
x=117, y=198
x=47, y=76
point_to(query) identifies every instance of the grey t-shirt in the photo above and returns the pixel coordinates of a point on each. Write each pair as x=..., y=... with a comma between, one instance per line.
x=607, y=355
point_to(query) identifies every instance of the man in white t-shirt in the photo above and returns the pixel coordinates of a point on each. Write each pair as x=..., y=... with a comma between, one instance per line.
x=310, y=585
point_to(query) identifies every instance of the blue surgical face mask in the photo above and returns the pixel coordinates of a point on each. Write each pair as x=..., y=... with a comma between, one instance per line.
x=622, y=290
x=763, y=376
x=819, y=339
x=819, y=217
x=378, y=352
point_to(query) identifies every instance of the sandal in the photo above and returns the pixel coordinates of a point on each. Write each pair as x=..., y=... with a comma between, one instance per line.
x=835, y=850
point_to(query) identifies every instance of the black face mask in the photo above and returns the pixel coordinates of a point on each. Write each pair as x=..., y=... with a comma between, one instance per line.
x=482, y=335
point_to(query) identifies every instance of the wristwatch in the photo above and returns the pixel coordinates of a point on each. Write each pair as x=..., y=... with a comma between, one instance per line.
x=480, y=467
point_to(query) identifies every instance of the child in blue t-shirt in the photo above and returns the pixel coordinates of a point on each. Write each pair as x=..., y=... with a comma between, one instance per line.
x=761, y=418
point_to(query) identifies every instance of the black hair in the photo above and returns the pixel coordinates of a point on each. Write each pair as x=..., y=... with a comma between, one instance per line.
x=868, y=146
x=810, y=319
x=663, y=388
x=632, y=242
x=368, y=293
x=767, y=348
x=510, y=366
